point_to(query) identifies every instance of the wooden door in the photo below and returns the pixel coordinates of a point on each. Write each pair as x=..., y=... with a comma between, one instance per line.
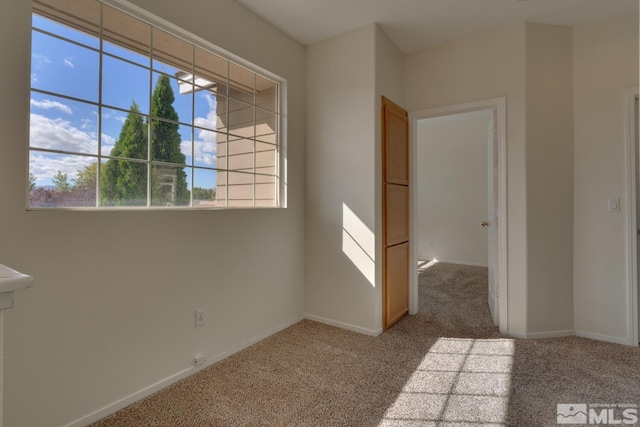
x=395, y=213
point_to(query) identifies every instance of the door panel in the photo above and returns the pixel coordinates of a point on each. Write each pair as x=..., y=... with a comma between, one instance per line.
x=397, y=207
x=397, y=147
x=397, y=274
x=395, y=213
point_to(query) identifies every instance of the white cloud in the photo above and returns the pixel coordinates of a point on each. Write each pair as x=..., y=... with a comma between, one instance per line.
x=206, y=141
x=112, y=114
x=108, y=142
x=205, y=147
x=87, y=124
x=40, y=59
x=68, y=63
x=108, y=139
x=211, y=120
x=34, y=78
x=204, y=151
x=59, y=134
x=45, y=166
x=206, y=135
x=47, y=104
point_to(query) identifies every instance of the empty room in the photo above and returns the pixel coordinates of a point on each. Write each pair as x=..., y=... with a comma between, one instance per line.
x=213, y=213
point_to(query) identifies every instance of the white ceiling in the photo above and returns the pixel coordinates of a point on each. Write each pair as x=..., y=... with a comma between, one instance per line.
x=414, y=25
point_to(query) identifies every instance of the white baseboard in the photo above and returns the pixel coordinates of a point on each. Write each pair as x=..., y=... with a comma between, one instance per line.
x=472, y=264
x=539, y=335
x=601, y=337
x=551, y=334
x=343, y=325
x=147, y=391
x=570, y=333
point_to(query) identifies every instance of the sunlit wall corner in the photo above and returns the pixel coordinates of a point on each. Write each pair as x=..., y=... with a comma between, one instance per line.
x=358, y=244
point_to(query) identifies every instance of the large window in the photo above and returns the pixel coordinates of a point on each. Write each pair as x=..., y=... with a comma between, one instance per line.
x=126, y=114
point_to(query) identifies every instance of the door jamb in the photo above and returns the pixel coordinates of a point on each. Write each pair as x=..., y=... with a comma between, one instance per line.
x=498, y=106
x=630, y=96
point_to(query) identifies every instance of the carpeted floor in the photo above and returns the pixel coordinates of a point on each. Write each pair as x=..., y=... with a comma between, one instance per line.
x=446, y=366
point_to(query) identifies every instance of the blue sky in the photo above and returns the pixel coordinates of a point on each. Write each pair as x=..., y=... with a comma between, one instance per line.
x=61, y=124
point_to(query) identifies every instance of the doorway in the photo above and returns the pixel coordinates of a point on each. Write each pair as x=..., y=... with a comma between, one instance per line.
x=455, y=192
x=493, y=215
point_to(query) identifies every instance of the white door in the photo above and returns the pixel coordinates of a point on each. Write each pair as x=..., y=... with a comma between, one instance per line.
x=492, y=218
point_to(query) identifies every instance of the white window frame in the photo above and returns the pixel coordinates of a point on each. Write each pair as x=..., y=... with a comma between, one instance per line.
x=281, y=116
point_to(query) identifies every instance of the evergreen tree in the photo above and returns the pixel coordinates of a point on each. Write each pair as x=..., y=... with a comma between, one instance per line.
x=169, y=183
x=32, y=182
x=61, y=181
x=200, y=193
x=87, y=176
x=84, y=186
x=123, y=182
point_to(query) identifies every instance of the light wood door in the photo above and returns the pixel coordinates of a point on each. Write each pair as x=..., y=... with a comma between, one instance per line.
x=395, y=144
x=395, y=213
x=396, y=303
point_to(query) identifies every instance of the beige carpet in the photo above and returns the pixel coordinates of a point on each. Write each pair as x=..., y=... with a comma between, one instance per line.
x=446, y=366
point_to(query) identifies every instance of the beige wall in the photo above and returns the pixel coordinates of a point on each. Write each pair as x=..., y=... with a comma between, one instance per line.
x=110, y=313
x=340, y=181
x=113, y=315
x=549, y=124
x=605, y=64
x=487, y=65
x=389, y=69
x=452, y=188
x=346, y=76
x=566, y=252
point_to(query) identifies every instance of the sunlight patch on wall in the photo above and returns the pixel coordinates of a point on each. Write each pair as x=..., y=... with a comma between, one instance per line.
x=460, y=381
x=359, y=244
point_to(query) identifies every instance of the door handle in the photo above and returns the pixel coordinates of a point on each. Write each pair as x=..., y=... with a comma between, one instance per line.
x=486, y=224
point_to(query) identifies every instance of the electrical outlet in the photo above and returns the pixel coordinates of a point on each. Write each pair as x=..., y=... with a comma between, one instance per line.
x=199, y=316
x=199, y=359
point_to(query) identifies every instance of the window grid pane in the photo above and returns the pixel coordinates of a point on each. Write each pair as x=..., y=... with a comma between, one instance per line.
x=125, y=114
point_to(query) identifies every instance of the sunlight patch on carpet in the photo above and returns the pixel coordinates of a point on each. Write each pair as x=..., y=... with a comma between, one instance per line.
x=458, y=381
x=425, y=265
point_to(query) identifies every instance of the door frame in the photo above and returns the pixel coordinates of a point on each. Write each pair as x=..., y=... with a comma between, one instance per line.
x=499, y=108
x=630, y=96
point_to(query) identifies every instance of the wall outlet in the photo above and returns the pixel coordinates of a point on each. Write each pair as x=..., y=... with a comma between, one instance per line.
x=199, y=317
x=199, y=359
